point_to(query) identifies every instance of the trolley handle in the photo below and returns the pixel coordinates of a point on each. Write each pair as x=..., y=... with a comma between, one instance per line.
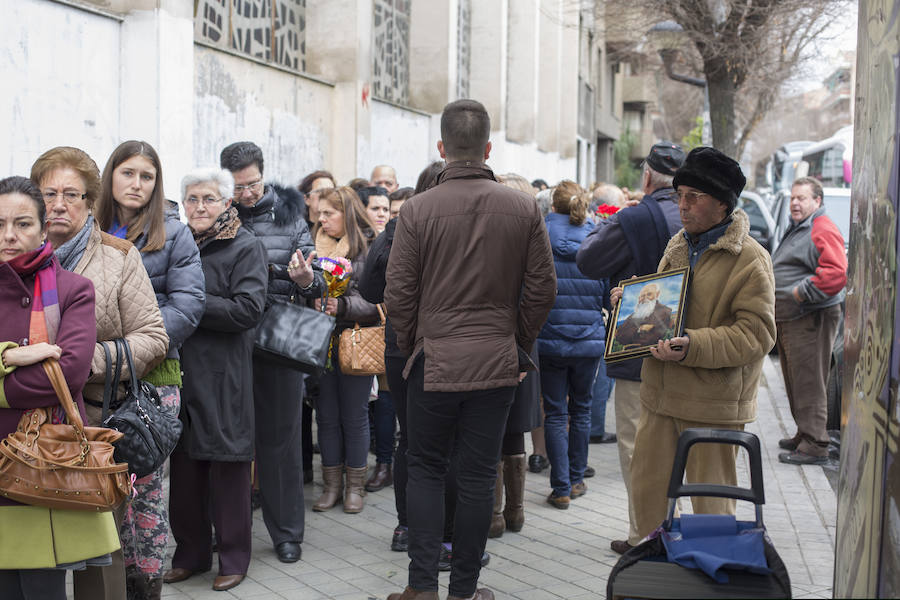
x=755, y=493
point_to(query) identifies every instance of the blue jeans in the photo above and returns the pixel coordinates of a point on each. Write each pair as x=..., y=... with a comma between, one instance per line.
x=566, y=386
x=603, y=387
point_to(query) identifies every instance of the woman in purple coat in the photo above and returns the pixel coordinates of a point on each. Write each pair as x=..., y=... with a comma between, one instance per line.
x=48, y=313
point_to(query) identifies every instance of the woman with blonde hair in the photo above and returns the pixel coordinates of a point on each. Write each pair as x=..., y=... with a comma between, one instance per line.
x=570, y=346
x=342, y=411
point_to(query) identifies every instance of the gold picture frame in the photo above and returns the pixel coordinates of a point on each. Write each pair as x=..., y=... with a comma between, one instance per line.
x=636, y=324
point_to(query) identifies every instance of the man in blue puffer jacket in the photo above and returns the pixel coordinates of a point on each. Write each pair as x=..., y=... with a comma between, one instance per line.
x=570, y=346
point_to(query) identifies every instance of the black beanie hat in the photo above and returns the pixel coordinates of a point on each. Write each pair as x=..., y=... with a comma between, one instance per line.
x=710, y=171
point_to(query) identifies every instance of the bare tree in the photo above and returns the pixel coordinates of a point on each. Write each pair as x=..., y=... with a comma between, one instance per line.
x=745, y=50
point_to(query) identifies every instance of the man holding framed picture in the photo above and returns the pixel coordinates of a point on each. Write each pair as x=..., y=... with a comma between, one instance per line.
x=708, y=377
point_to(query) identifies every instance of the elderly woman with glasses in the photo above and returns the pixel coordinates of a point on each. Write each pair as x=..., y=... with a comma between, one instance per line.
x=210, y=468
x=125, y=304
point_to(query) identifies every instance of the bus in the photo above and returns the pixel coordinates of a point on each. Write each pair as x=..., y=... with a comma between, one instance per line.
x=831, y=161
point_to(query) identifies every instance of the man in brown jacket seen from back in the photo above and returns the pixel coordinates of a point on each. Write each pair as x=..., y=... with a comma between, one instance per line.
x=470, y=282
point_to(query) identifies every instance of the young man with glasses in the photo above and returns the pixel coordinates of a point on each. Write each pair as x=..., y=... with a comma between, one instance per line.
x=276, y=215
x=708, y=376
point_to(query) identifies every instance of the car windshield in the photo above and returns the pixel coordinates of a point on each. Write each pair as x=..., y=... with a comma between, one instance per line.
x=837, y=207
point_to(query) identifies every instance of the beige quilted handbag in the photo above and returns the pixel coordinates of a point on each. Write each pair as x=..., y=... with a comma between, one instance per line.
x=361, y=349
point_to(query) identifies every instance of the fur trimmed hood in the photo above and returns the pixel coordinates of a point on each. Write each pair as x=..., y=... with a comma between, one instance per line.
x=291, y=204
x=732, y=241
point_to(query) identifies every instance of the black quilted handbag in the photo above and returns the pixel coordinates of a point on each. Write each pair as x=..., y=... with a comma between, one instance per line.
x=151, y=432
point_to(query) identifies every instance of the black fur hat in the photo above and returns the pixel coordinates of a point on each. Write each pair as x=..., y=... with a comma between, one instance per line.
x=712, y=172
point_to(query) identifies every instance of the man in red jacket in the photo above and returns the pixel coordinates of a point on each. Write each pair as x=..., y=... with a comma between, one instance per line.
x=810, y=273
x=470, y=281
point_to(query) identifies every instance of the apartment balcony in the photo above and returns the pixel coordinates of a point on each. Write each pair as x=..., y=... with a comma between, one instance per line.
x=639, y=89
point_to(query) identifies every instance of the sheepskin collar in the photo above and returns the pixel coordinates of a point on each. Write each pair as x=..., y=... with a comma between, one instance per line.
x=676, y=254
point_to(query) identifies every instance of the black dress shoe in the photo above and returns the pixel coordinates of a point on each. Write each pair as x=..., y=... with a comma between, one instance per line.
x=790, y=443
x=802, y=458
x=400, y=539
x=589, y=472
x=606, y=438
x=537, y=463
x=620, y=546
x=288, y=552
x=447, y=557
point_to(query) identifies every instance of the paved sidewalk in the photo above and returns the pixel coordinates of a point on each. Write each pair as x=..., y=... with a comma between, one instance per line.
x=558, y=554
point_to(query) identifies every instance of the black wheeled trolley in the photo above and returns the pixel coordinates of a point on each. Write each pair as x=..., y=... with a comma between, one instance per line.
x=738, y=552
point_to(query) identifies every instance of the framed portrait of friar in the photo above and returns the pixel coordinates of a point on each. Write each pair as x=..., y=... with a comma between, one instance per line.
x=651, y=309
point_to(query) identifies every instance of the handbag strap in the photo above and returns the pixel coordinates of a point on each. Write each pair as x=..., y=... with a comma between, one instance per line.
x=126, y=350
x=111, y=381
x=382, y=311
x=58, y=381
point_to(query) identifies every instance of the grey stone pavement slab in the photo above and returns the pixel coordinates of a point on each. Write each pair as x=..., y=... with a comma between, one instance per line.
x=559, y=553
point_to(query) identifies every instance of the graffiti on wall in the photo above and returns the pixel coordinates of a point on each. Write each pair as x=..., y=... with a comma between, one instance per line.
x=270, y=30
x=870, y=425
x=390, y=71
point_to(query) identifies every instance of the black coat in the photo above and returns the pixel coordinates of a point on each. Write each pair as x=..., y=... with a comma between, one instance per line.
x=278, y=219
x=372, y=282
x=217, y=399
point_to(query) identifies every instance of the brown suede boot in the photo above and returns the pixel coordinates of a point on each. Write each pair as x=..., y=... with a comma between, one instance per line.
x=333, y=478
x=411, y=594
x=355, y=491
x=514, y=467
x=498, y=523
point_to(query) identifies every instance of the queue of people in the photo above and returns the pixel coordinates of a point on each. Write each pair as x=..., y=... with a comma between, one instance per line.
x=474, y=358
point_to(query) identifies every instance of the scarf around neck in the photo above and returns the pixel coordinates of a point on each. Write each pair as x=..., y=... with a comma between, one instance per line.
x=44, y=323
x=225, y=227
x=69, y=253
x=330, y=247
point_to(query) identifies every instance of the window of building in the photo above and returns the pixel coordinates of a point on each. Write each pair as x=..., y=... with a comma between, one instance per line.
x=464, y=44
x=270, y=30
x=390, y=71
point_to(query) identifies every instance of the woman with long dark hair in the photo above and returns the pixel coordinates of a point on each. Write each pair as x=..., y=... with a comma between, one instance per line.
x=132, y=206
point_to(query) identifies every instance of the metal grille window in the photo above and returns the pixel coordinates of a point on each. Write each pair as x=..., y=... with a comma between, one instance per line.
x=463, y=43
x=390, y=71
x=270, y=30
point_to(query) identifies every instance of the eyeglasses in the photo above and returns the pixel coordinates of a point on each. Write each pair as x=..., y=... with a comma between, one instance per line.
x=253, y=187
x=193, y=201
x=690, y=197
x=70, y=197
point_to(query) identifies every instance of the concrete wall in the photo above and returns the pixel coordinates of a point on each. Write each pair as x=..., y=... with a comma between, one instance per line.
x=61, y=82
x=288, y=116
x=400, y=138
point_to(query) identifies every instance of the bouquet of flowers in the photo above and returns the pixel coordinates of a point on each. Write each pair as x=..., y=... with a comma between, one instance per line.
x=337, y=274
x=604, y=210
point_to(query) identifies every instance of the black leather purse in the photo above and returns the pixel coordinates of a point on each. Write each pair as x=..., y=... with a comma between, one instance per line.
x=151, y=432
x=295, y=336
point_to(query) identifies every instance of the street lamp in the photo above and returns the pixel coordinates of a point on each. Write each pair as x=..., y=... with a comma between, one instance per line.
x=668, y=37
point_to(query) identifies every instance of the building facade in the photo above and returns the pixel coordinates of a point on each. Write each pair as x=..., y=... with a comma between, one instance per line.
x=337, y=84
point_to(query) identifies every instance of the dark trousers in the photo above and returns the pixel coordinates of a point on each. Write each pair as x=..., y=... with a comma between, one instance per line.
x=199, y=487
x=384, y=418
x=342, y=414
x=478, y=420
x=804, y=350
x=33, y=584
x=277, y=402
x=311, y=393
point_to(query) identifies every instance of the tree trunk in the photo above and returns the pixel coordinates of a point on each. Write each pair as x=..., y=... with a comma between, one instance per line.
x=721, y=111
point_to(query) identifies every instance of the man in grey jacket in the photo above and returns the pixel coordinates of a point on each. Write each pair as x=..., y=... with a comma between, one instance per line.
x=810, y=273
x=630, y=243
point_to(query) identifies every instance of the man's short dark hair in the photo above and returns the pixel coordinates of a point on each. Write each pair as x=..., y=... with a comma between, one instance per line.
x=241, y=155
x=465, y=129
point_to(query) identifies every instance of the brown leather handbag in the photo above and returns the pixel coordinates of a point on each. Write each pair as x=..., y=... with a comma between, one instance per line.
x=63, y=465
x=361, y=349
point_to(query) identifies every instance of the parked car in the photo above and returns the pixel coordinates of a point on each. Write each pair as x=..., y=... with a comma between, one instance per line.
x=837, y=207
x=762, y=225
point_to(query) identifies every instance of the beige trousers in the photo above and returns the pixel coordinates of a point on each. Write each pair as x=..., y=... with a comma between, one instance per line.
x=627, y=399
x=651, y=469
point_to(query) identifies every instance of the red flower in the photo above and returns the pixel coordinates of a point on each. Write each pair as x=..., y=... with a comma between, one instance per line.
x=604, y=210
